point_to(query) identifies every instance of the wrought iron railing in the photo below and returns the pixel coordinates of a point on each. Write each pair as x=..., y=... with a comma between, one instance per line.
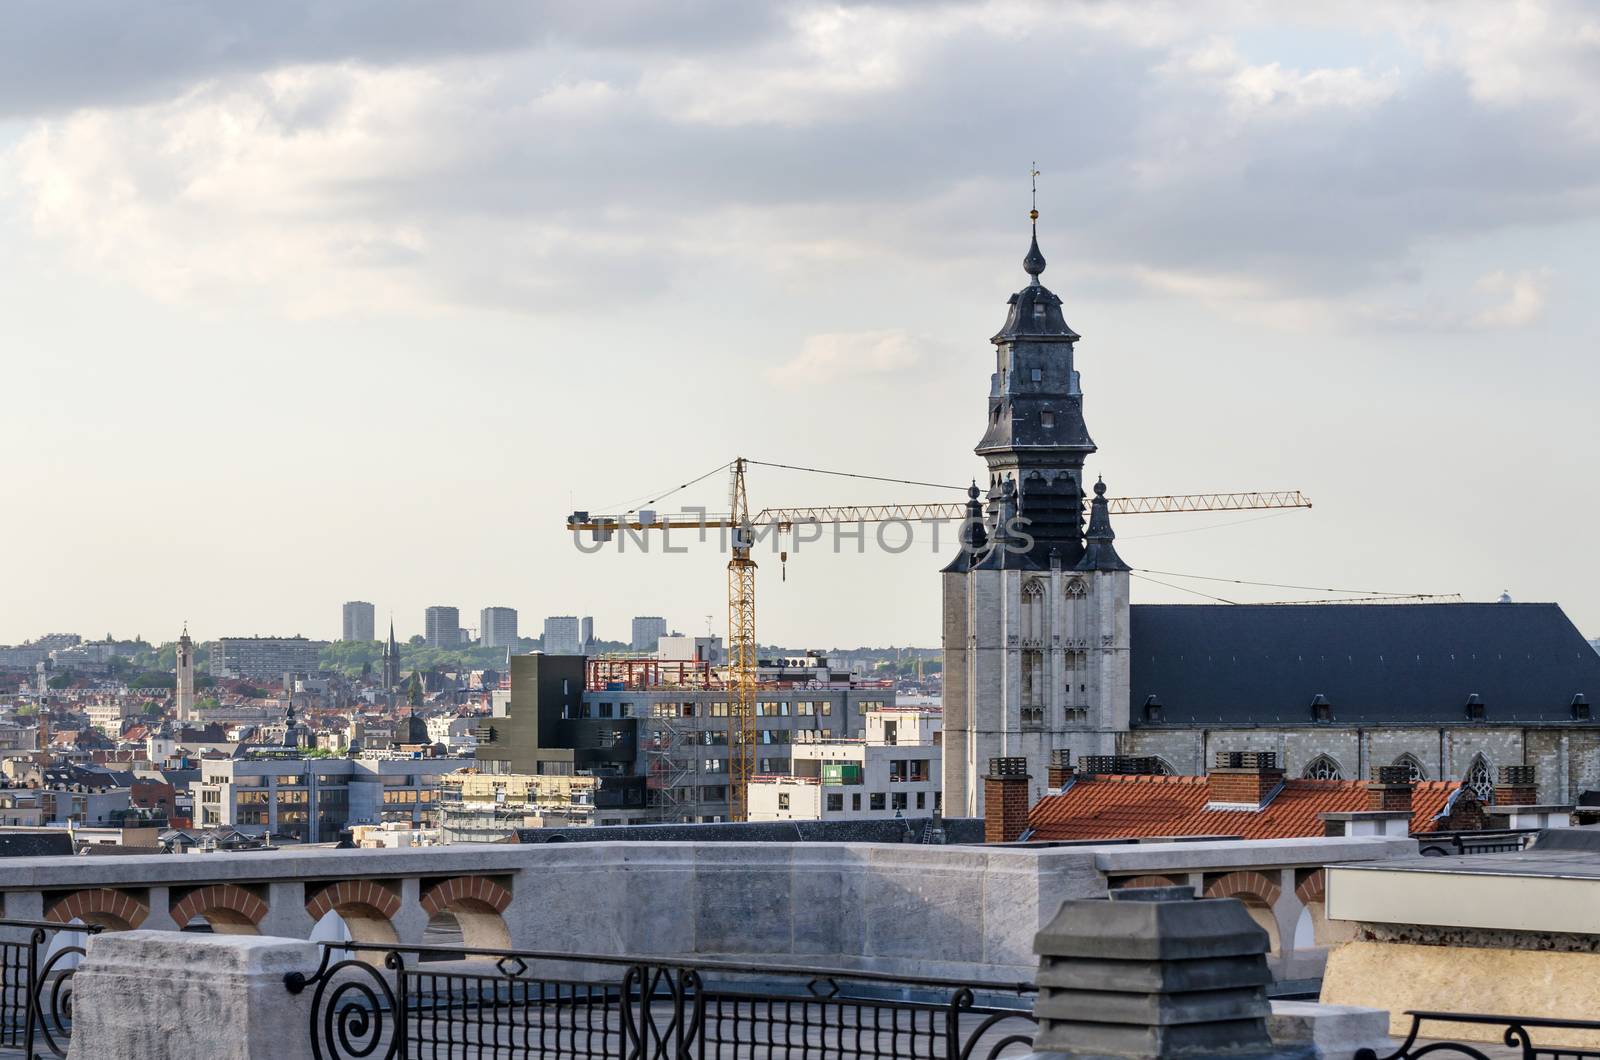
x=36, y=986
x=377, y=1001
x=1517, y=1034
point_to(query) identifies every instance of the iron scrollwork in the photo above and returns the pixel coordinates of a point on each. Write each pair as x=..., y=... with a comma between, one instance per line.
x=353, y=1007
x=1515, y=1036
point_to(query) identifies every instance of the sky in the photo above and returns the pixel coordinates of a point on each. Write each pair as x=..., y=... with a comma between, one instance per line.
x=317, y=301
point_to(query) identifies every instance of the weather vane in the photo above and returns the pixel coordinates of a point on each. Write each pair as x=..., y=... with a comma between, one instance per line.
x=1033, y=180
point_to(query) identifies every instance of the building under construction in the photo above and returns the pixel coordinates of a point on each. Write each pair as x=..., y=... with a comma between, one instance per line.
x=654, y=733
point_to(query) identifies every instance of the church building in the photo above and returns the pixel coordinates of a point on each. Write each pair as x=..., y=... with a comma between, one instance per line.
x=1044, y=653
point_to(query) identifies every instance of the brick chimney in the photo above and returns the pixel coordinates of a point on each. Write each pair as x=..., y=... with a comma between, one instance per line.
x=1005, y=800
x=1060, y=772
x=1389, y=789
x=1243, y=778
x=1519, y=786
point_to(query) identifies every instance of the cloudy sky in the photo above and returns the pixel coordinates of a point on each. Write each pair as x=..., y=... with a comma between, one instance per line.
x=305, y=302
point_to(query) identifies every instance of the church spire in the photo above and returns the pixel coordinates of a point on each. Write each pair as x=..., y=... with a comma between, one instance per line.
x=1099, y=553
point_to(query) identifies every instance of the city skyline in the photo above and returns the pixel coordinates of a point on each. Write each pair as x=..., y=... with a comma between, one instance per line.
x=1367, y=282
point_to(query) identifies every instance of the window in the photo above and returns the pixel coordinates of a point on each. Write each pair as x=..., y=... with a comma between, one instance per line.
x=898, y=801
x=877, y=801
x=783, y=800
x=835, y=802
x=1413, y=768
x=1047, y=419
x=1478, y=779
x=605, y=710
x=855, y=801
x=1323, y=768
x=1036, y=375
x=805, y=708
x=922, y=800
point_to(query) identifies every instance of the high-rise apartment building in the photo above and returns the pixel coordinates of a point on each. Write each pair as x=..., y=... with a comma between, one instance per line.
x=563, y=635
x=359, y=622
x=497, y=627
x=265, y=658
x=648, y=631
x=442, y=627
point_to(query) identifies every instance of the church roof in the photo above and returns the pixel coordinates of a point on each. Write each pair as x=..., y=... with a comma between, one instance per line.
x=1127, y=807
x=1375, y=663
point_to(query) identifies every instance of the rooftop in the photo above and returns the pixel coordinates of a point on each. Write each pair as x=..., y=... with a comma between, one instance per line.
x=1119, y=807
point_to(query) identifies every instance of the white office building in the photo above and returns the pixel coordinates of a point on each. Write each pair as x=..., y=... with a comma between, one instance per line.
x=647, y=631
x=563, y=635
x=497, y=627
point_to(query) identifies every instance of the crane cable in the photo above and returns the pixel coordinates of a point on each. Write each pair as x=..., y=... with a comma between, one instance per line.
x=852, y=474
x=1181, y=589
x=676, y=489
x=1282, y=585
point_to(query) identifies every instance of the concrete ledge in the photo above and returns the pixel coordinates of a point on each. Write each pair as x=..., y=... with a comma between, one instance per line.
x=1330, y=1030
x=166, y=995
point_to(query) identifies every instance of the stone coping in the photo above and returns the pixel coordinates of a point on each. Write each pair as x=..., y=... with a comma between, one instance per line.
x=322, y=863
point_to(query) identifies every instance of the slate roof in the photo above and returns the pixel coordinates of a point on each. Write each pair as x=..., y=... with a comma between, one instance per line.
x=34, y=844
x=1263, y=663
x=1126, y=807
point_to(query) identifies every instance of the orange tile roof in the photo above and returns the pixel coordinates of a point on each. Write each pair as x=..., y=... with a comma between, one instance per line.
x=1124, y=807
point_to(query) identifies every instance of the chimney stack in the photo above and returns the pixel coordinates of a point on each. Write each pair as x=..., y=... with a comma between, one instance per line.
x=1389, y=788
x=1060, y=772
x=1005, y=800
x=1518, y=786
x=1243, y=778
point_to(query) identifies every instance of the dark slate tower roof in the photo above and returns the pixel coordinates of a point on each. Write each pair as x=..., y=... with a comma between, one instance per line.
x=1214, y=664
x=1099, y=553
x=974, y=538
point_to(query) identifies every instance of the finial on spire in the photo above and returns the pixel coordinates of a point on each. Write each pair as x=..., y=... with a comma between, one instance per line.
x=1034, y=263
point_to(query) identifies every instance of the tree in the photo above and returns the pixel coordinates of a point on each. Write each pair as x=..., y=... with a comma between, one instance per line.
x=62, y=680
x=415, y=696
x=152, y=707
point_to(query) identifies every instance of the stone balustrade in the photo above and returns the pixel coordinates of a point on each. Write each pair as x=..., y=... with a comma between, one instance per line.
x=892, y=908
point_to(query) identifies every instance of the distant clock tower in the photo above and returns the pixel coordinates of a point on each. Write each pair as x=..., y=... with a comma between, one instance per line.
x=185, y=685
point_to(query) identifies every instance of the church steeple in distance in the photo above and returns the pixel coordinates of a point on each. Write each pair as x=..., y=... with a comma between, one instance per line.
x=1036, y=436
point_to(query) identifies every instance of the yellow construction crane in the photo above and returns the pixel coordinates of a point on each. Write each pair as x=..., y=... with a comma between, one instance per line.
x=741, y=528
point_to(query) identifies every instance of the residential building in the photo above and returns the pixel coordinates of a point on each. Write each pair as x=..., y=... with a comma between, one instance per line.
x=647, y=631
x=309, y=800
x=265, y=658
x=562, y=635
x=456, y=733
x=360, y=621
x=111, y=713
x=442, y=627
x=497, y=627
x=890, y=771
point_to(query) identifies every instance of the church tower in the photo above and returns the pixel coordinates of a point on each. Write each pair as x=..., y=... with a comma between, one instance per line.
x=184, y=689
x=391, y=661
x=1035, y=623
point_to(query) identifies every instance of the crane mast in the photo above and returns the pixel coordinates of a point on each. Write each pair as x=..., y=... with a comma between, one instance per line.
x=741, y=648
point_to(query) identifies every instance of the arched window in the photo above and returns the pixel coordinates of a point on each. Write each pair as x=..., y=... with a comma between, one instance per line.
x=1413, y=767
x=1323, y=768
x=1076, y=588
x=1161, y=767
x=1033, y=609
x=1478, y=780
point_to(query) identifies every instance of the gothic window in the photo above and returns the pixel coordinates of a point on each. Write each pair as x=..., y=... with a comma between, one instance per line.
x=1161, y=767
x=1415, y=772
x=1323, y=768
x=1076, y=588
x=1033, y=609
x=1478, y=779
x=1032, y=678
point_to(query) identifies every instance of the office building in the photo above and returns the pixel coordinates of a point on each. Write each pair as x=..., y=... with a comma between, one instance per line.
x=442, y=627
x=308, y=800
x=265, y=658
x=359, y=621
x=563, y=635
x=647, y=631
